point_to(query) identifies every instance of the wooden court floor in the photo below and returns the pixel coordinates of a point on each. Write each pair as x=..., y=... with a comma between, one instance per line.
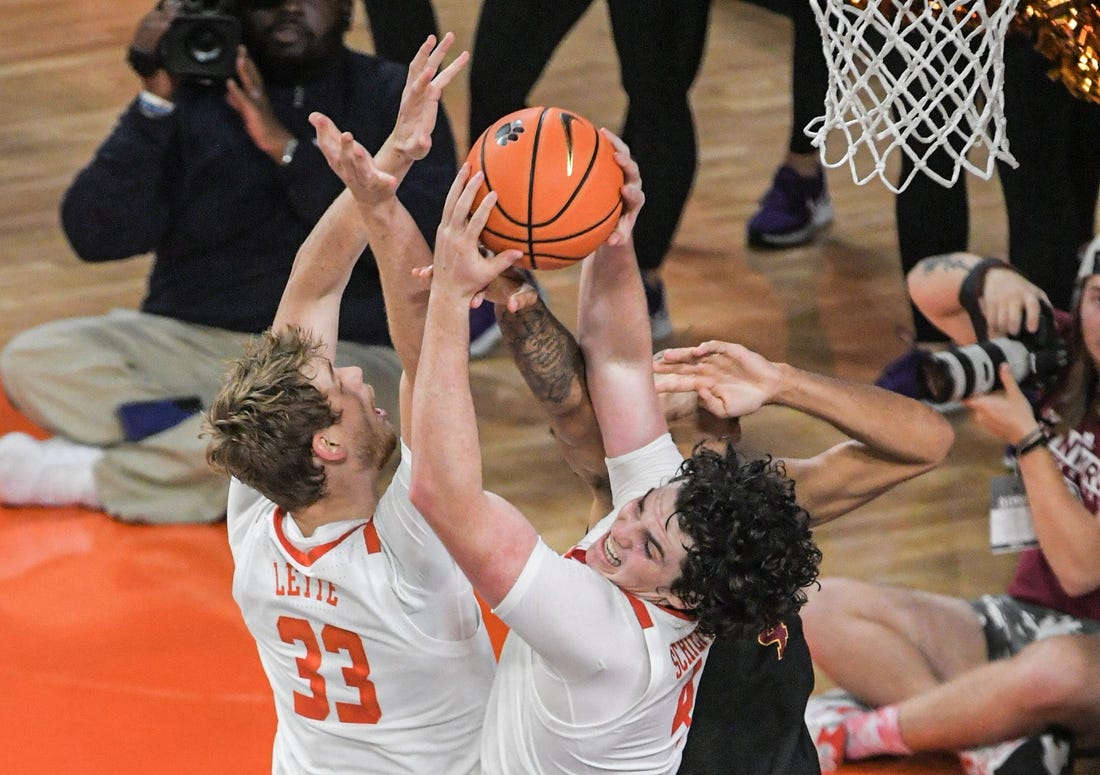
x=124, y=650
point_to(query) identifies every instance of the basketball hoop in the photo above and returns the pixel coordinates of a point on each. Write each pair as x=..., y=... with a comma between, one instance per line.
x=909, y=77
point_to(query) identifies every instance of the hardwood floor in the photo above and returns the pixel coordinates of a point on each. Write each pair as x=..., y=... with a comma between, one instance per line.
x=835, y=306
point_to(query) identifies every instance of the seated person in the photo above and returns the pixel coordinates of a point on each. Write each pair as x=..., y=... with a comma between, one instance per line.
x=1008, y=680
x=222, y=182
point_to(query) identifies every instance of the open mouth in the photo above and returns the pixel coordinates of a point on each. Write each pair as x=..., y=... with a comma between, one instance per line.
x=609, y=551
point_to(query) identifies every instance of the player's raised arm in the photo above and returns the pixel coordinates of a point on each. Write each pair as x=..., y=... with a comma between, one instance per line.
x=488, y=538
x=891, y=438
x=613, y=329
x=552, y=365
x=394, y=237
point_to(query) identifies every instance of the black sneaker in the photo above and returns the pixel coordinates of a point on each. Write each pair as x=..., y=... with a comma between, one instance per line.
x=1048, y=754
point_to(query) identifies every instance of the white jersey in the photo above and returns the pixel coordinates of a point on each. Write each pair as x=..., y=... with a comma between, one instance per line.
x=591, y=679
x=369, y=634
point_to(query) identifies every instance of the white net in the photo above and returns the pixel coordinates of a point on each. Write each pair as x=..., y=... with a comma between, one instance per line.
x=910, y=77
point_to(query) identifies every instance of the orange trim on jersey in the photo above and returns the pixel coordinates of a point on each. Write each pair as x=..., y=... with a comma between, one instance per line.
x=580, y=555
x=370, y=536
x=310, y=557
x=494, y=626
x=640, y=611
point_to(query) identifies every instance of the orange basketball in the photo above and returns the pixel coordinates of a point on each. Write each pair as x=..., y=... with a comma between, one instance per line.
x=557, y=184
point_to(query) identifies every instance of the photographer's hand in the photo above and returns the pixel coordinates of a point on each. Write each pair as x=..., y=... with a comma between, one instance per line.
x=146, y=42
x=1008, y=301
x=1007, y=414
x=249, y=98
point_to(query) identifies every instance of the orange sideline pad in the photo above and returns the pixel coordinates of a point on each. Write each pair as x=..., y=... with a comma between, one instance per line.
x=124, y=652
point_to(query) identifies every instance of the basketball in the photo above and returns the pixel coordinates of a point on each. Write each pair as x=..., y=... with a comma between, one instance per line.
x=557, y=184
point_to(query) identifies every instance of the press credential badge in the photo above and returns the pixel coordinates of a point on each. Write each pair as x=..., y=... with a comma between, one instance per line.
x=1010, y=528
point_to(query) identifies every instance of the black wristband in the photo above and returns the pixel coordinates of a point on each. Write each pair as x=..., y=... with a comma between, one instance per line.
x=970, y=292
x=144, y=63
x=1039, y=437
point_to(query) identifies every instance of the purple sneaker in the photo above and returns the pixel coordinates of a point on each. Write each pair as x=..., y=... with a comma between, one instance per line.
x=792, y=212
x=900, y=375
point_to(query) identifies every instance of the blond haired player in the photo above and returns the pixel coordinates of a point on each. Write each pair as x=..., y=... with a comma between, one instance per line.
x=369, y=634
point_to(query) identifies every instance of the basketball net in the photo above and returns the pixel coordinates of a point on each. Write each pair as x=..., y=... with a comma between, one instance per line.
x=912, y=77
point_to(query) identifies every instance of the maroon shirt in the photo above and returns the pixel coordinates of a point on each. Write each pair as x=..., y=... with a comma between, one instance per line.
x=1078, y=455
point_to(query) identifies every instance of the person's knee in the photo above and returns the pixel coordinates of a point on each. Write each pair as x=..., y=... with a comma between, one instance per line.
x=20, y=363
x=832, y=593
x=1051, y=674
x=829, y=604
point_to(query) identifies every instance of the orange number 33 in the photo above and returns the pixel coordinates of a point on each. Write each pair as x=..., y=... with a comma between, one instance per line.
x=315, y=705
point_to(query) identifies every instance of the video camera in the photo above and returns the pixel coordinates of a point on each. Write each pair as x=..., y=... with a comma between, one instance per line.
x=959, y=372
x=201, y=42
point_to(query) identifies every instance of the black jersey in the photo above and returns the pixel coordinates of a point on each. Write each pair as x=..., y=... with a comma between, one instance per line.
x=750, y=707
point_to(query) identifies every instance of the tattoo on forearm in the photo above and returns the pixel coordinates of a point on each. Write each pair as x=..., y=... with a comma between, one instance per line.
x=944, y=263
x=544, y=351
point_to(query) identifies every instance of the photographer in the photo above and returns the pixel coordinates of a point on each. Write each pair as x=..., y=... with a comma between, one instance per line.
x=220, y=180
x=1008, y=681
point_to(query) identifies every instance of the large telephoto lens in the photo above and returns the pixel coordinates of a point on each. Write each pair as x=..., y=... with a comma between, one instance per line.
x=959, y=372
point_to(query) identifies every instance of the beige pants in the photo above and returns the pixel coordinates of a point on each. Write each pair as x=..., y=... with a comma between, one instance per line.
x=70, y=376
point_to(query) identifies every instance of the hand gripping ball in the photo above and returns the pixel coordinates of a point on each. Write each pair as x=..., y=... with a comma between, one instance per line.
x=557, y=184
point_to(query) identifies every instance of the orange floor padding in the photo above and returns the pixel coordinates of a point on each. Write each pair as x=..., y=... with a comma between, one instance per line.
x=124, y=653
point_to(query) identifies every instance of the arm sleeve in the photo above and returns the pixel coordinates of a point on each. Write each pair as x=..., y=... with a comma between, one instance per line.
x=117, y=206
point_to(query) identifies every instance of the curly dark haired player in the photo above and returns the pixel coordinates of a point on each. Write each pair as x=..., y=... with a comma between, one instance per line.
x=607, y=643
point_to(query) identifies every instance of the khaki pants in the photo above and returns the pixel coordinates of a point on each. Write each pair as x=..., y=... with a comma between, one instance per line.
x=70, y=376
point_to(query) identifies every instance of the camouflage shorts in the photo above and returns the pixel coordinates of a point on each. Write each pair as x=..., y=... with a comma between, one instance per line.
x=1011, y=624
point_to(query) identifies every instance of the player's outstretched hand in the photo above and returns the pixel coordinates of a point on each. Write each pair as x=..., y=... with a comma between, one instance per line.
x=412, y=134
x=633, y=198
x=730, y=380
x=350, y=161
x=458, y=264
x=514, y=288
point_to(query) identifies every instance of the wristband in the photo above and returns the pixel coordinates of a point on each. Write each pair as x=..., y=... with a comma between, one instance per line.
x=154, y=106
x=970, y=292
x=288, y=151
x=1037, y=437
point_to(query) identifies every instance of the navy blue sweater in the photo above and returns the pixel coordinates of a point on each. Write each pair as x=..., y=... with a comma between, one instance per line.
x=223, y=219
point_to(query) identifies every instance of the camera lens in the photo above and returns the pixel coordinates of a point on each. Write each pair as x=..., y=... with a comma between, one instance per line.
x=960, y=372
x=205, y=44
